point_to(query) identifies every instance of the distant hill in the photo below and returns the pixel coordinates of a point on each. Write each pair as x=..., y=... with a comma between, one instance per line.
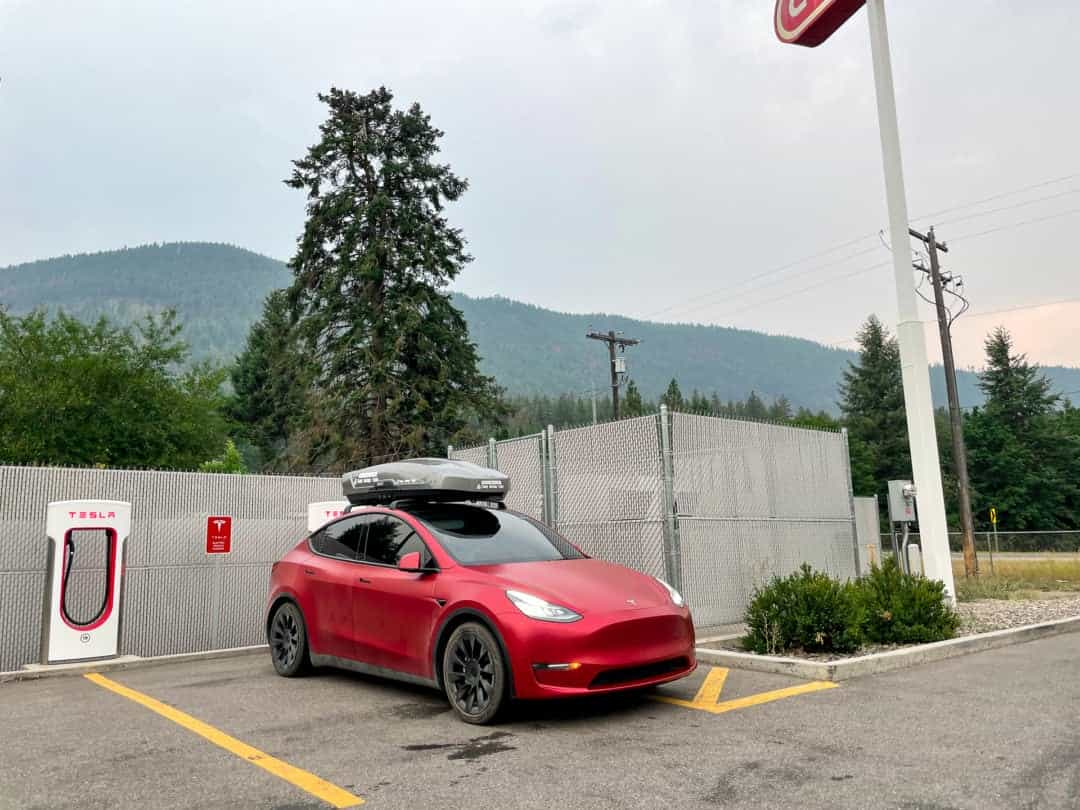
x=219, y=289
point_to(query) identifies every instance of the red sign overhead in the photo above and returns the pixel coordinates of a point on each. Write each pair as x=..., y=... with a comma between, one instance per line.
x=218, y=534
x=811, y=22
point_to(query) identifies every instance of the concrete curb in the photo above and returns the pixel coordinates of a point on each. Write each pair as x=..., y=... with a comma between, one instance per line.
x=848, y=668
x=33, y=672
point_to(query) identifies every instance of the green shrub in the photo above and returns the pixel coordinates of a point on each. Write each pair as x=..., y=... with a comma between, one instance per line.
x=903, y=609
x=807, y=610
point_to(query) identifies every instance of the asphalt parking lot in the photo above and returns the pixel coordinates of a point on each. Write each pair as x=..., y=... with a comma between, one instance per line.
x=996, y=729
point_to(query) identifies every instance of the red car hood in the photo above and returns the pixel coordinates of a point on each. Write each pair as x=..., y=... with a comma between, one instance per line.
x=586, y=586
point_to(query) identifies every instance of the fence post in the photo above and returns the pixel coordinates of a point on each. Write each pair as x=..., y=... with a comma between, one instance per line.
x=851, y=499
x=672, y=550
x=493, y=454
x=550, y=478
x=449, y=451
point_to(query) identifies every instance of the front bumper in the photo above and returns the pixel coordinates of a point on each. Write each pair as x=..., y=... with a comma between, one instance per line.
x=628, y=649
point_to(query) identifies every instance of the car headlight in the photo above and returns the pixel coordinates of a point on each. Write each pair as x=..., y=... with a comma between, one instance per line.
x=536, y=608
x=676, y=597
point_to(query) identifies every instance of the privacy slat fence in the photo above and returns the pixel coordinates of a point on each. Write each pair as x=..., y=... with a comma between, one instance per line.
x=715, y=506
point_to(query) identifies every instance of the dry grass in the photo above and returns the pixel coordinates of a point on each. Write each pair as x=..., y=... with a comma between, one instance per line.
x=1017, y=578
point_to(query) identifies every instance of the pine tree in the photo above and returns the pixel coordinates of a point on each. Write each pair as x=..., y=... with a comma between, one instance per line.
x=1023, y=457
x=699, y=403
x=673, y=397
x=872, y=404
x=396, y=373
x=1016, y=392
x=780, y=410
x=270, y=379
x=632, y=404
x=755, y=407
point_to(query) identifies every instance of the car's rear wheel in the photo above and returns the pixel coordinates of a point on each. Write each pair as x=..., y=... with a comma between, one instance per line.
x=288, y=641
x=474, y=674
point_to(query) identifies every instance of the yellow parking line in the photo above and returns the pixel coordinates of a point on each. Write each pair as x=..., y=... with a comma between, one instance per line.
x=707, y=696
x=309, y=782
x=711, y=687
x=768, y=697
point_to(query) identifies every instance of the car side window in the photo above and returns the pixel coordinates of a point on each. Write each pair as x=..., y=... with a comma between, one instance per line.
x=343, y=539
x=389, y=539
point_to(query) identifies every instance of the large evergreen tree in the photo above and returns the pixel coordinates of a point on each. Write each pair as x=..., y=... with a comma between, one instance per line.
x=1024, y=461
x=872, y=404
x=394, y=370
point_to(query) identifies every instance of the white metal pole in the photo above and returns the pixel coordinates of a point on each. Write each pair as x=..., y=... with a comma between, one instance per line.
x=926, y=468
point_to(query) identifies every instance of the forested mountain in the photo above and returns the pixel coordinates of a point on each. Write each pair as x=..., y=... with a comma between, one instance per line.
x=218, y=292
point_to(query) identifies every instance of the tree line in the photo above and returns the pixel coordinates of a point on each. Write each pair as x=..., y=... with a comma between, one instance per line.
x=1023, y=442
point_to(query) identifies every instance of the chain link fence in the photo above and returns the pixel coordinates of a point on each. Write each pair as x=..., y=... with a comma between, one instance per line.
x=1029, y=542
x=712, y=505
x=609, y=491
x=715, y=506
x=754, y=500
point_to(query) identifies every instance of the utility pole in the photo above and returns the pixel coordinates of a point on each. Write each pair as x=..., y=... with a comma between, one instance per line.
x=956, y=420
x=613, y=339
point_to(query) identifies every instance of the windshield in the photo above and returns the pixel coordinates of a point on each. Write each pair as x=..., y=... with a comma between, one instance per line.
x=476, y=535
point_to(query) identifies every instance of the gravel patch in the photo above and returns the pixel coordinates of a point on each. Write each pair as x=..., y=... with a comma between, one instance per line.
x=985, y=615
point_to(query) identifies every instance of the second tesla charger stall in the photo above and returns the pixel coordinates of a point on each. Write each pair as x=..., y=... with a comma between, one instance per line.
x=429, y=578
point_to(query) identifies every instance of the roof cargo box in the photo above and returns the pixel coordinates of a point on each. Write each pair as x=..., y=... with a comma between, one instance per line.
x=432, y=479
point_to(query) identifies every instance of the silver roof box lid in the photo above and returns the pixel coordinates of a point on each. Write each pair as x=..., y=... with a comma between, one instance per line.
x=436, y=479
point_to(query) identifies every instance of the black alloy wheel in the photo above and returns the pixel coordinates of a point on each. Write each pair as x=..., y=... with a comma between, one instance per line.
x=474, y=676
x=288, y=641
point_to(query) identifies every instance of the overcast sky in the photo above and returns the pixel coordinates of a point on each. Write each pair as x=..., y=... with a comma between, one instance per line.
x=651, y=158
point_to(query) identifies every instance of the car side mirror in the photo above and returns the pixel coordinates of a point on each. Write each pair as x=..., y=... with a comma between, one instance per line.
x=410, y=562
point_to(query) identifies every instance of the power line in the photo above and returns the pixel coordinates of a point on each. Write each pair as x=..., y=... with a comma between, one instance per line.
x=700, y=304
x=696, y=302
x=957, y=239
x=993, y=197
x=678, y=306
x=802, y=290
x=1016, y=225
x=1011, y=207
x=1022, y=307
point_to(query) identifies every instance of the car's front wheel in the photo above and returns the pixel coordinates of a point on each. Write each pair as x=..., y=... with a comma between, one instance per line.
x=474, y=674
x=288, y=641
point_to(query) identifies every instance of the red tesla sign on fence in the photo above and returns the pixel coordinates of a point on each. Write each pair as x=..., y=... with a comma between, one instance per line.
x=811, y=22
x=218, y=534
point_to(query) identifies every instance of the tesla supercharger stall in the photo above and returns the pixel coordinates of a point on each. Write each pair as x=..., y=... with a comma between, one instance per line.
x=85, y=579
x=322, y=512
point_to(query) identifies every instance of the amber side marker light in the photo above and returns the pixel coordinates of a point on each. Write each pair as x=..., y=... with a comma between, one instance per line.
x=564, y=667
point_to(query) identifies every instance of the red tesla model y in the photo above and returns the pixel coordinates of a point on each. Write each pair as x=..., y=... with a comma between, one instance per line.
x=430, y=579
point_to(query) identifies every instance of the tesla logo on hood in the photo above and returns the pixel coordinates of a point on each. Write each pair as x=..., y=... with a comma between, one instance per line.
x=631, y=601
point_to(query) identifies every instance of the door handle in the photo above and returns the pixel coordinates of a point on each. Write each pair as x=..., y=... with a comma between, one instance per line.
x=309, y=571
x=363, y=580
